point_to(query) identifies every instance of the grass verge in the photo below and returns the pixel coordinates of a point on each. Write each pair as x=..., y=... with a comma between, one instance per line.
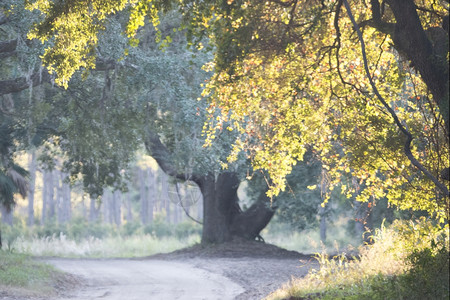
x=21, y=275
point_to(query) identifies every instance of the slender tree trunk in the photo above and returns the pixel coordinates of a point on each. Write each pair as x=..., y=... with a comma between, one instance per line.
x=165, y=196
x=200, y=208
x=117, y=204
x=129, y=215
x=44, y=196
x=359, y=218
x=66, y=209
x=93, y=211
x=51, y=195
x=7, y=215
x=31, y=188
x=323, y=225
x=105, y=207
x=143, y=194
x=151, y=194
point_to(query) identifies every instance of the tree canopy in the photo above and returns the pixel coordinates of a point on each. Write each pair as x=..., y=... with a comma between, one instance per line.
x=290, y=76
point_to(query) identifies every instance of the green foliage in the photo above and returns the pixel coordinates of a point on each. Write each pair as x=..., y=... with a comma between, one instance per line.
x=159, y=228
x=428, y=276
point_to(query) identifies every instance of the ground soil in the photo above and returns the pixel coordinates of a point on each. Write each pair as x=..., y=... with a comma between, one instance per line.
x=238, y=270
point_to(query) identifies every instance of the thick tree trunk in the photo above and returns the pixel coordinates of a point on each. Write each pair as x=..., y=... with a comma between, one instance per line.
x=427, y=50
x=222, y=216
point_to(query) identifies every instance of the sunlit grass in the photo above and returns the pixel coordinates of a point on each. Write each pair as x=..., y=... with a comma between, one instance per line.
x=116, y=246
x=381, y=271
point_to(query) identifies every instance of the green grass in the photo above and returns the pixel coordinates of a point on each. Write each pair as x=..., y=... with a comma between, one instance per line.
x=407, y=261
x=24, y=276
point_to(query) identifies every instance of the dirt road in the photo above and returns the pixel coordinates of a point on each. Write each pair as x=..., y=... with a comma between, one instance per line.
x=116, y=279
x=242, y=270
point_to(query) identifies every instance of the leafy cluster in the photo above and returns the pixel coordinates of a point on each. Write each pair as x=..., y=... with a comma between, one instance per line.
x=289, y=76
x=310, y=90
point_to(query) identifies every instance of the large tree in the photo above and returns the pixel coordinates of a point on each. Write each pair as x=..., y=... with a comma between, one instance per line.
x=148, y=96
x=290, y=75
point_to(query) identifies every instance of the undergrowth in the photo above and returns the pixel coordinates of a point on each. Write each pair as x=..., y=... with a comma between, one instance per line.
x=80, y=238
x=408, y=260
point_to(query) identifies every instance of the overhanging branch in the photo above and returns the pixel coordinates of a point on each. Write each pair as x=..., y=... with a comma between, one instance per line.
x=409, y=137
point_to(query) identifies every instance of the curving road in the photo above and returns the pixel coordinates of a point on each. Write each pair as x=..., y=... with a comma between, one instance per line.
x=122, y=279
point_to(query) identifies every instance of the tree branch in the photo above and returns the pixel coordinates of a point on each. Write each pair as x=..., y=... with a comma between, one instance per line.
x=163, y=157
x=411, y=40
x=22, y=83
x=409, y=138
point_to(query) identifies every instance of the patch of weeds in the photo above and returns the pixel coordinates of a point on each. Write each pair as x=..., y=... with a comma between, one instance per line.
x=20, y=271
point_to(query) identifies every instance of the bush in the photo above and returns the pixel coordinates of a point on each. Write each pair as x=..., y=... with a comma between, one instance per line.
x=428, y=276
x=50, y=229
x=187, y=228
x=80, y=229
x=130, y=228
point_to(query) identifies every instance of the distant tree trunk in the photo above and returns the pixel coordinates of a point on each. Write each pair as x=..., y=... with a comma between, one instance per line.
x=108, y=209
x=324, y=184
x=64, y=205
x=129, y=215
x=323, y=224
x=51, y=194
x=7, y=215
x=143, y=194
x=200, y=209
x=165, y=196
x=31, y=187
x=222, y=215
x=176, y=213
x=151, y=197
x=93, y=211
x=117, y=207
x=44, y=196
x=359, y=218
